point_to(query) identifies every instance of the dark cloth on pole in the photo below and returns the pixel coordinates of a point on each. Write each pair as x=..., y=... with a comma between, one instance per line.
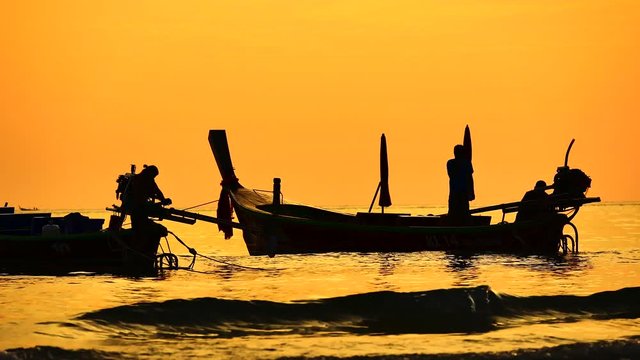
x=385, y=197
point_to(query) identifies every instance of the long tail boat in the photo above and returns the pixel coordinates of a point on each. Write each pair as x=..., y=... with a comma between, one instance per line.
x=39, y=243
x=270, y=226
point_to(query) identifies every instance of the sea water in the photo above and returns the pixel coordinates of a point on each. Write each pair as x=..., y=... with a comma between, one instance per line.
x=389, y=305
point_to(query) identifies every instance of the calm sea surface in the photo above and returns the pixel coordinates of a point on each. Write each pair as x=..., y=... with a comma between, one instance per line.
x=340, y=304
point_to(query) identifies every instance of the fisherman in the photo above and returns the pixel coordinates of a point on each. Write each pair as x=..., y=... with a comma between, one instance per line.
x=140, y=200
x=535, y=203
x=461, y=190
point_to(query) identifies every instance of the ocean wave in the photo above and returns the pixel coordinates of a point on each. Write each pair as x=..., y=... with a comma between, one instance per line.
x=458, y=310
x=52, y=352
x=626, y=348
x=614, y=349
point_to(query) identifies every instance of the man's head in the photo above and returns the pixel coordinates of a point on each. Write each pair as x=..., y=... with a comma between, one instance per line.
x=150, y=170
x=458, y=151
x=540, y=185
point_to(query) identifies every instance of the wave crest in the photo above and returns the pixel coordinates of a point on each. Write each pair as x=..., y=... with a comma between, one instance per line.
x=465, y=310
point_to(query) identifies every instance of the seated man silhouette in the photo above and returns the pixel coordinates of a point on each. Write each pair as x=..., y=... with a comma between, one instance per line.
x=535, y=203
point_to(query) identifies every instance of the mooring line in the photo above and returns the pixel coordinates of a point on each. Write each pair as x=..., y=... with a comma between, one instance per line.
x=194, y=252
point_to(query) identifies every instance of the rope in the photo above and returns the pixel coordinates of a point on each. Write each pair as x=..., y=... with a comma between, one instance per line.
x=203, y=204
x=236, y=265
x=256, y=191
x=195, y=253
x=168, y=245
x=172, y=259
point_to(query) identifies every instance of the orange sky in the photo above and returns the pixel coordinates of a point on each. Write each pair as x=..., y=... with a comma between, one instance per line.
x=305, y=88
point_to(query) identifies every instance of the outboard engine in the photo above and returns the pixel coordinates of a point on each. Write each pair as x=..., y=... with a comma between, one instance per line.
x=573, y=183
x=570, y=183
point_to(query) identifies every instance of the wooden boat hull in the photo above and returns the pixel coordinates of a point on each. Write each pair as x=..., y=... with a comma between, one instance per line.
x=298, y=229
x=123, y=250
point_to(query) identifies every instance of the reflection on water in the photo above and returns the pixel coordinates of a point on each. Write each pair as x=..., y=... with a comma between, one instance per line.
x=468, y=269
x=569, y=265
x=464, y=268
x=387, y=263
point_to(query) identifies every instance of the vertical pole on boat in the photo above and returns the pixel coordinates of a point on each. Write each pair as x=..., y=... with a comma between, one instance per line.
x=373, y=201
x=383, y=185
x=276, y=191
x=385, y=197
x=466, y=143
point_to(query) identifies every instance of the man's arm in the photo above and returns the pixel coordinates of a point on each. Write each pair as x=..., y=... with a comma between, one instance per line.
x=160, y=196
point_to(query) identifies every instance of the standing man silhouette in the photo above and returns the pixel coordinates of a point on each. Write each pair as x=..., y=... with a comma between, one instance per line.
x=461, y=189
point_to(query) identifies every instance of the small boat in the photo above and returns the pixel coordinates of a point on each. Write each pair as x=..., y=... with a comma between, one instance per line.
x=39, y=243
x=28, y=209
x=270, y=226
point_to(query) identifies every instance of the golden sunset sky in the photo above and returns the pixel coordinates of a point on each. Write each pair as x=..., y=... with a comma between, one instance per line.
x=305, y=88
